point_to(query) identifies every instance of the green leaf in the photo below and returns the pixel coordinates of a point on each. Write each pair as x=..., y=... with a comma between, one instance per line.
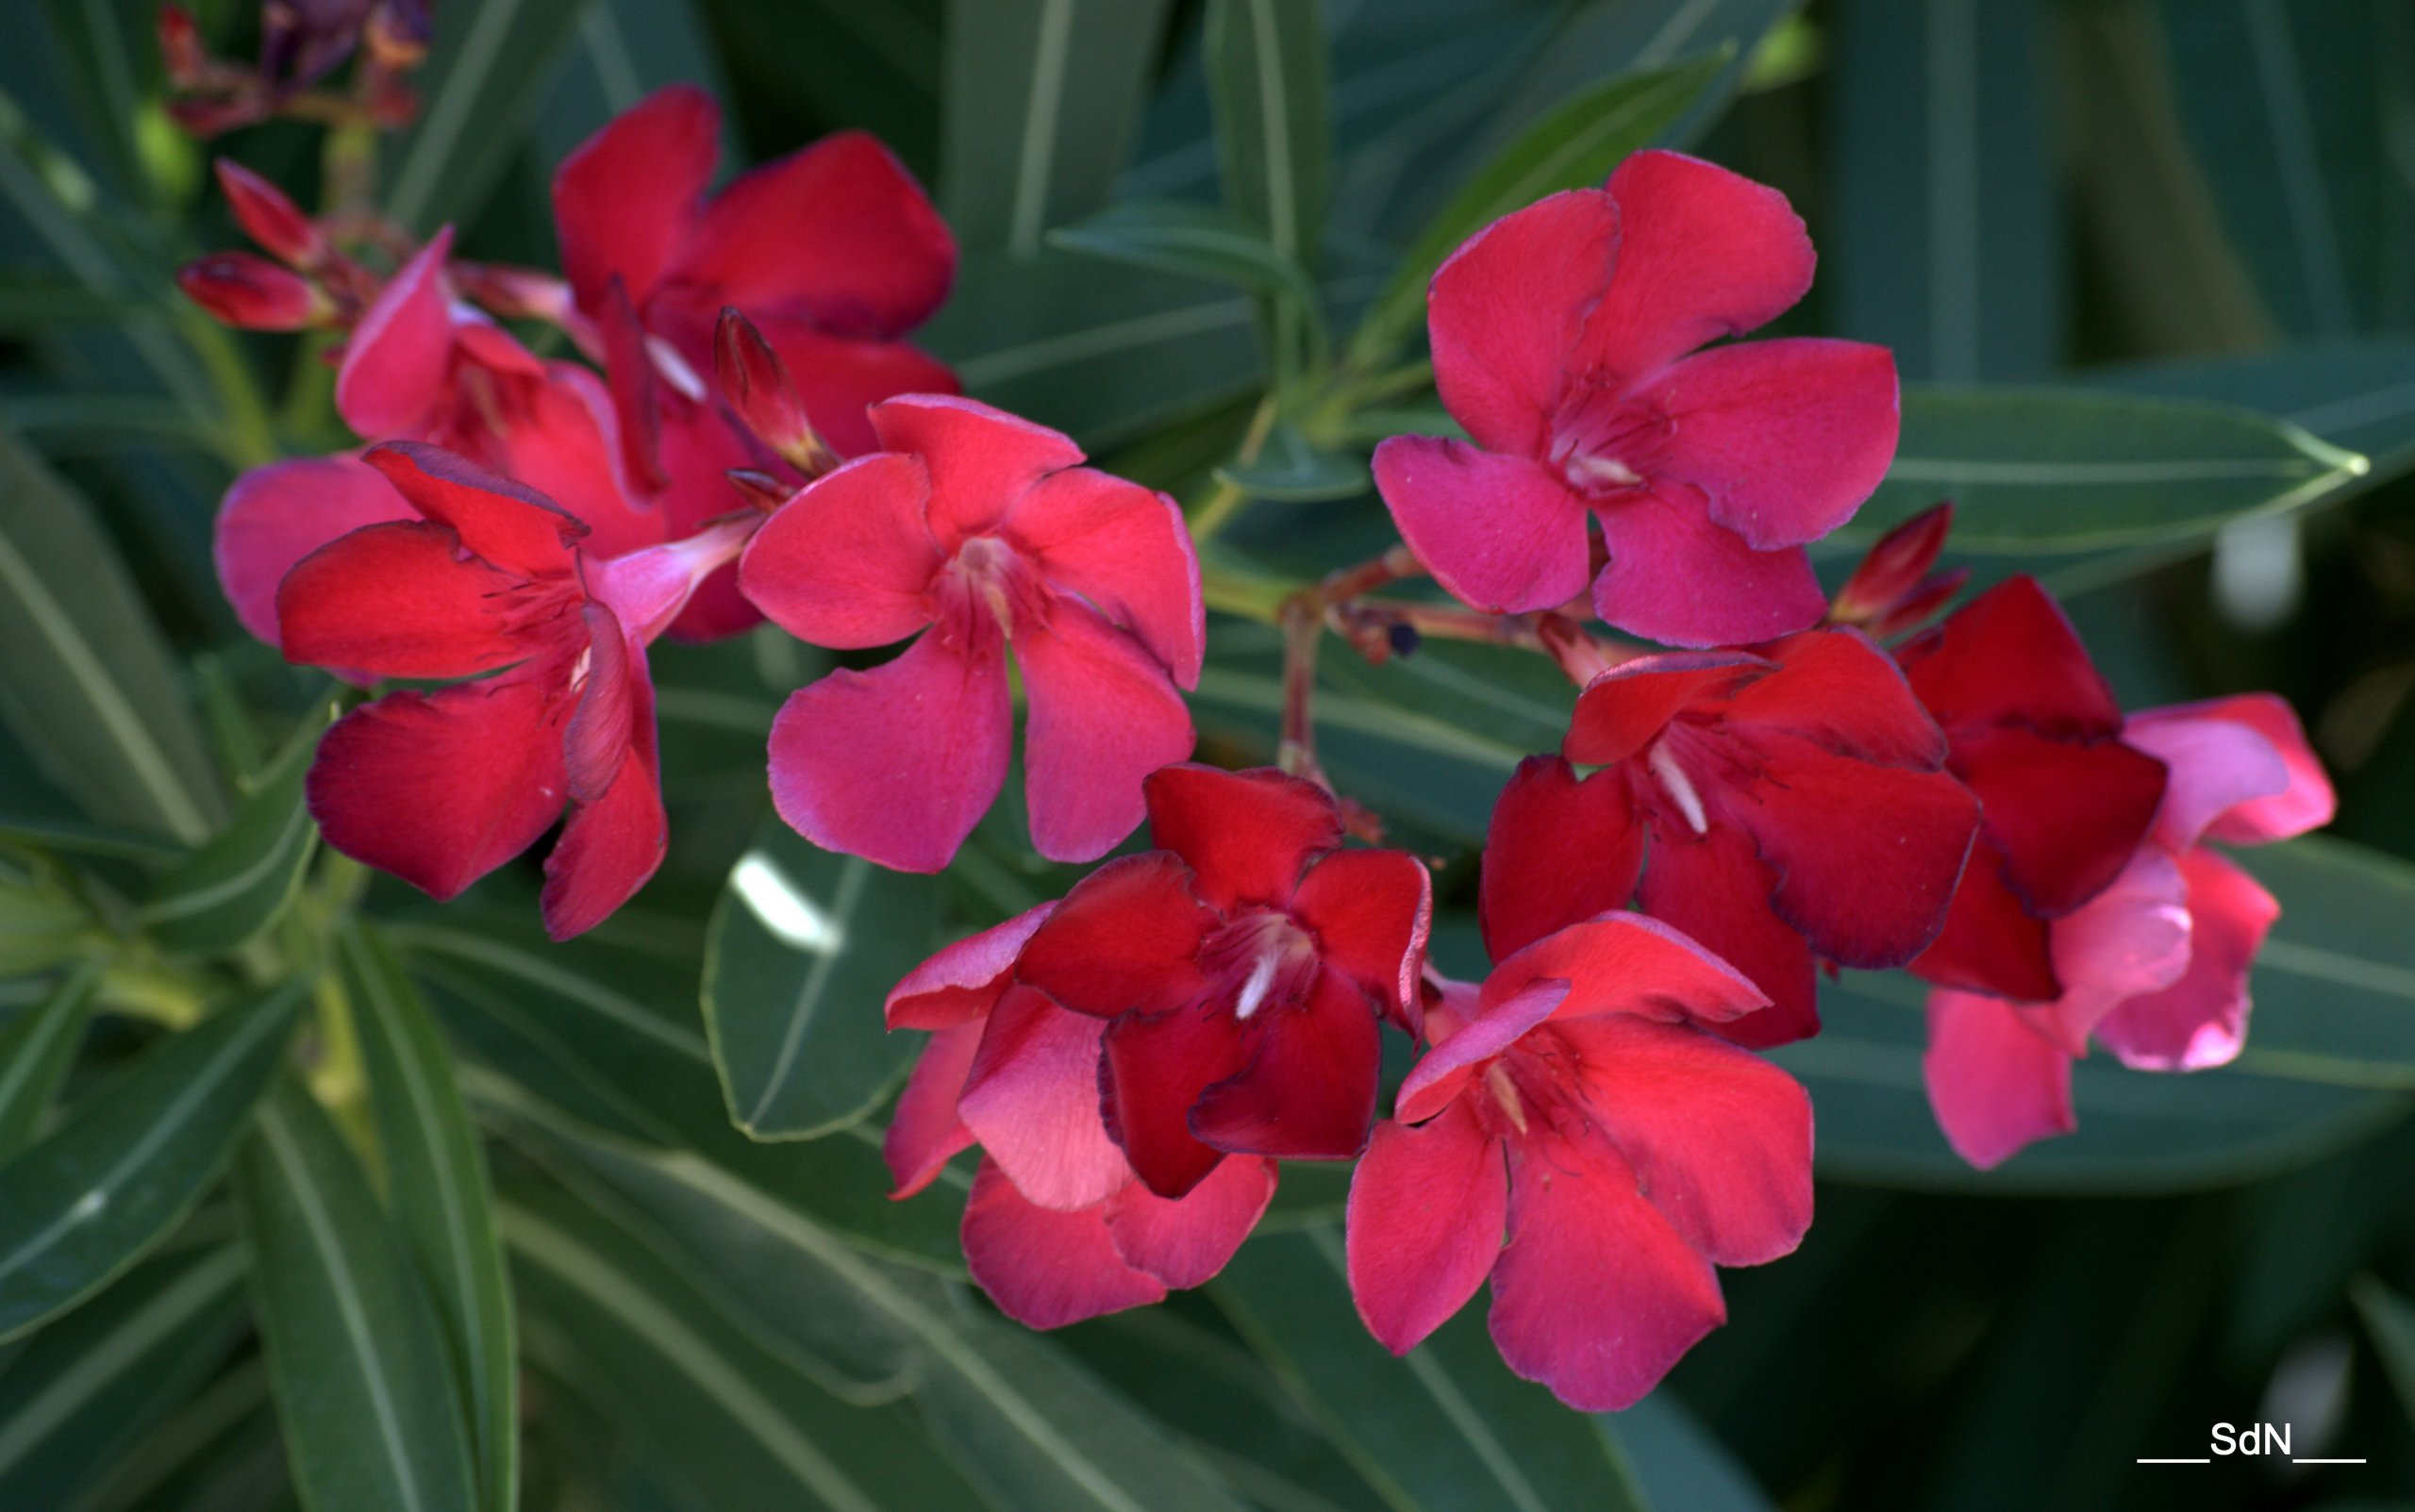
x=1948, y=242
x=1200, y=243
x=35, y=1052
x=1269, y=79
x=2391, y=1319
x=43, y=923
x=88, y=683
x=437, y=1187
x=2048, y=470
x=371, y=1422
x=2360, y=397
x=1576, y=145
x=77, y=1397
x=1442, y=1427
x=2335, y=1002
x=487, y=69
x=624, y=50
x=1042, y=100
x=803, y=950
x=130, y=1160
x=1680, y=1465
x=1600, y=41
x=225, y=894
x=1291, y=467
x=99, y=41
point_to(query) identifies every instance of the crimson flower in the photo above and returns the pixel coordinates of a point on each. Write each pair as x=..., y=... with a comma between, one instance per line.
x=2155, y=967
x=1241, y=968
x=834, y=252
x=979, y=531
x=1579, y=1102
x=442, y=787
x=1058, y=1228
x=1793, y=803
x=1560, y=337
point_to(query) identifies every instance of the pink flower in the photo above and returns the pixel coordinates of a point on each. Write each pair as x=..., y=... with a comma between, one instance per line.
x=440, y=788
x=977, y=532
x=1793, y=803
x=1057, y=1229
x=1579, y=1102
x=1237, y=974
x=1560, y=337
x=2155, y=967
x=834, y=252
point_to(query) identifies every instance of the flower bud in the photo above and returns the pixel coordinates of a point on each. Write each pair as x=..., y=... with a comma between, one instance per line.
x=1894, y=570
x=756, y=383
x=270, y=219
x=397, y=33
x=253, y=294
x=762, y=489
x=180, y=47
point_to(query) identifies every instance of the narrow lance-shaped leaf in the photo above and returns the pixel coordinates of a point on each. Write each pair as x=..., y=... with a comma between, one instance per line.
x=487, y=69
x=2391, y=1319
x=804, y=947
x=437, y=1187
x=372, y=1421
x=87, y=1201
x=35, y=1052
x=1202, y=243
x=224, y=895
x=1269, y=79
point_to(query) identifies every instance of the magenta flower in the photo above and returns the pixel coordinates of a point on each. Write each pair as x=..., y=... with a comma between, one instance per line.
x=977, y=532
x=1561, y=335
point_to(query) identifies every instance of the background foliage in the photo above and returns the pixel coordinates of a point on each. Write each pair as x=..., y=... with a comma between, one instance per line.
x=312, y=1190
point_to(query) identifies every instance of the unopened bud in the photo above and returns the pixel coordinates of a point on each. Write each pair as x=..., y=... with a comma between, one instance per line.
x=756, y=383
x=1916, y=608
x=181, y=52
x=397, y=33
x=253, y=294
x=270, y=219
x=1896, y=568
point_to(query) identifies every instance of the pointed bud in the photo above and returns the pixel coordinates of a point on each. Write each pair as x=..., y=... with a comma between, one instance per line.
x=762, y=489
x=756, y=383
x=1915, y=609
x=1895, y=568
x=180, y=47
x=253, y=294
x=270, y=219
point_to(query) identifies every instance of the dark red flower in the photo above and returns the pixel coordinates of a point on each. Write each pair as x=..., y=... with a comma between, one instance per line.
x=1058, y=1228
x=1561, y=338
x=975, y=532
x=1578, y=1102
x=439, y=789
x=248, y=292
x=1793, y=803
x=1241, y=968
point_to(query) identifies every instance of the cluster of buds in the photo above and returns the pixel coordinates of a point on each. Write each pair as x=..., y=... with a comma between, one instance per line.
x=306, y=281
x=302, y=41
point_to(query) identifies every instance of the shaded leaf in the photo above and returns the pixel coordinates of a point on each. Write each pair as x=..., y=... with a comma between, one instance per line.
x=1289, y=466
x=2360, y=397
x=2389, y=1318
x=221, y=898
x=1269, y=78
x=35, y=1051
x=1198, y=242
x=487, y=69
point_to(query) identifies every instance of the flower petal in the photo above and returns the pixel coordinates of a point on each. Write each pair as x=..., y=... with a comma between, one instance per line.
x=2308, y=803
x=1246, y=834
x=564, y=445
x=1556, y=851
x=981, y=459
x=927, y=1133
x=1834, y=688
x=1126, y=940
x=1127, y=550
x=1032, y=1100
x=1785, y=437
x=397, y=600
x=1628, y=964
x=840, y=379
x=597, y=743
x=1596, y=1295
x=1102, y=717
x=1309, y=1093
x=1184, y=1243
x=442, y=788
x=1436, y=1080
x=626, y=199
x=1496, y=530
x=2201, y=1020
x=961, y=982
x=2011, y=654
x=1997, y=1084
x=897, y=764
x=2133, y=938
x=2241, y=770
x=1504, y=311
x=1158, y=1066
x=1678, y=577
x=1990, y=943
x=397, y=371
x=1625, y=709
x=1715, y=889
x=848, y=562
x=1371, y=911
x=611, y=845
x=1702, y=253
x=1428, y=1204
x=276, y=515
x=513, y=527
x=1045, y=1269
x=2066, y=815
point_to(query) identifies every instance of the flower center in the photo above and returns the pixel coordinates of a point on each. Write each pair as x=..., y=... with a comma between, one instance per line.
x=1603, y=442
x=1679, y=786
x=995, y=576
x=1263, y=958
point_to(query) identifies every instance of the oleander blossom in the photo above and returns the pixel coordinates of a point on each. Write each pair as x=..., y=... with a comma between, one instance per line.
x=977, y=533
x=490, y=577
x=1561, y=335
x=1580, y=1135
x=1058, y=1228
x=1781, y=805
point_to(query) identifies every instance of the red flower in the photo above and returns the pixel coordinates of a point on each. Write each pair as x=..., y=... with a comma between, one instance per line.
x=1242, y=969
x=1561, y=339
x=1577, y=1101
x=833, y=251
x=2035, y=735
x=980, y=531
x=1057, y=1229
x=440, y=788
x=2155, y=967
x=1793, y=804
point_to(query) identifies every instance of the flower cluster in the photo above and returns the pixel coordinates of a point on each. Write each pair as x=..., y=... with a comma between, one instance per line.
x=1779, y=786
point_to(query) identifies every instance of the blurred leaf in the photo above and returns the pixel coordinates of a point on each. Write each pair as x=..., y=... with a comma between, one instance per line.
x=1270, y=78
x=43, y=923
x=217, y=1441
x=1679, y=1465
x=803, y=950
x=371, y=1419
x=98, y=41
x=487, y=70
x=1289, y=466
x=437, y=1187
x=1948, y=242
x=2360, y=397
x=221, y=898
x=2389, y=1318
x=88, y=683
x=131, y=1157
x=2059, y=470
x=71, y=838
x=2334, y=1000
x=1200, y=243
x=1602, y=41
x=1443, y=1427
x=78, y=1395
x=624, y=50
x=1576, y=145
x=35, y=1051
x=1043, y=98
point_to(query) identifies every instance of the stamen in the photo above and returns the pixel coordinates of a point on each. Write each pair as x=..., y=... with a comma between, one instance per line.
x=1606, y=472
x=675, y=369
x=1262, y=976
x=1505, y=1091
x=1673, y=777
